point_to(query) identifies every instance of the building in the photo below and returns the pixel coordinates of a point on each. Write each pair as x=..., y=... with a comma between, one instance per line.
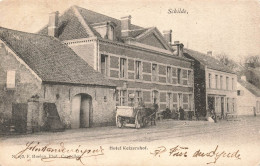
x=140, y=61
x=214, y=85
x=248, y=98
x=42, y=78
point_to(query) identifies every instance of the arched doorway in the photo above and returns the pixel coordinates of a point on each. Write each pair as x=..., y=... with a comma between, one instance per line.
x=81, y=107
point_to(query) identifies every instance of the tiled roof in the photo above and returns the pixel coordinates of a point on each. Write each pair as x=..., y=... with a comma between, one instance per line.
x=51, y=60
x=253, y=89
x=70, y=27
x=209, y=61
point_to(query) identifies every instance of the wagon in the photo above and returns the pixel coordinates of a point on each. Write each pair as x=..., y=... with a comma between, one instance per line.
x=130, y=117
x=134, y=117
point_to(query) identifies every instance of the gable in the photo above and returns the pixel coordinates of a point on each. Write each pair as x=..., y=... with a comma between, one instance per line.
x=245, y=92
x=152, y=40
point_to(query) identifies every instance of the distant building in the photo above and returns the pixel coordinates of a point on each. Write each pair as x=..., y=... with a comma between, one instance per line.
x=214, y=84
x=138, y=60
x=44, y=81
x=248, y=98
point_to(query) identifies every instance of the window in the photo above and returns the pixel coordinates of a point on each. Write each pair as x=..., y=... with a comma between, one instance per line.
x=209, y=80
x=179, y=76
x=227, y=83
x=190, y=102
x=216, y=81
x=10, y=81
x=240, y=92
x=233, y=84
x=155, y=97
x=179, y=100
x=138, y=69
x=169, y=100
x=123, y=68
x=233, y=105
x=189, y=78
x=221, y=82
x=169, y=74
x=111, y=33
x=228, y=104
x=104, y=64
x=123, y=97
x=154, y=72
x=138, y=96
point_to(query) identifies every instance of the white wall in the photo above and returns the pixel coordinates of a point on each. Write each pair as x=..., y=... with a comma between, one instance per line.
x=246, y=101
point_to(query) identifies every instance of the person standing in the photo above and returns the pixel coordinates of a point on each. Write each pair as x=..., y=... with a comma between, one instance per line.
x=181, y=111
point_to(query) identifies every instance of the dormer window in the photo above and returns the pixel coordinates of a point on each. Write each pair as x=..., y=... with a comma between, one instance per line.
x=105, y=29
x=110, y=33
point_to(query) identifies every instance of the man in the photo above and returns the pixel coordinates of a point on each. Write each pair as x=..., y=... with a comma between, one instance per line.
x=181, y=111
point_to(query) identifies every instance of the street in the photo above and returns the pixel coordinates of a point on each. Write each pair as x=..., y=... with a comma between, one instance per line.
x=241, y=134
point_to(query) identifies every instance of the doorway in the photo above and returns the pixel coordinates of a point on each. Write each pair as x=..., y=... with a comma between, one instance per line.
x=211, y=103
x=81, y=115
x=222, y=107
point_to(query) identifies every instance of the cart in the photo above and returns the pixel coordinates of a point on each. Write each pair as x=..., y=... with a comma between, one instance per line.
x=131, y=117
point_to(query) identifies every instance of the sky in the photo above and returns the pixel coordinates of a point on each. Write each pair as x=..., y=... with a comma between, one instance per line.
x=230, y=27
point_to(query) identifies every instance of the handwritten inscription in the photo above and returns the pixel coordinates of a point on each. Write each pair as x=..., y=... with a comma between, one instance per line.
x=180, y=151
x=50, y=152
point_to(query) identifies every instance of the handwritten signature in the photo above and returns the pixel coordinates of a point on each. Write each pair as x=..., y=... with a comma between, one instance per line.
x=180, y=151
x=59, y=151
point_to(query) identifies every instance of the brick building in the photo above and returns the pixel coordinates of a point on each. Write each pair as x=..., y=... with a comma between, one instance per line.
x=42, y=78
x=214, y=84
x=138, y=60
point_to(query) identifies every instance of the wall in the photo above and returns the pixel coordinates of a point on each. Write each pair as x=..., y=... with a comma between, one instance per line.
x=27, y=85
x=86, y=51
x=246, y=101
x=228, y=91
x=146, y=84
x=62, y=95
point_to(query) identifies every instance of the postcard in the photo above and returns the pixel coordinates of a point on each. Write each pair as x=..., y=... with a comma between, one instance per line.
x=130, y=83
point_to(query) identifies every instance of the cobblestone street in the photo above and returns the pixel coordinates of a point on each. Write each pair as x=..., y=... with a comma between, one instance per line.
x=242, y=134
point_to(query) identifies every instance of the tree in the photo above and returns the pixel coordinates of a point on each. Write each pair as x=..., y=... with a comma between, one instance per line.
x=252, y=61
x=223, y=58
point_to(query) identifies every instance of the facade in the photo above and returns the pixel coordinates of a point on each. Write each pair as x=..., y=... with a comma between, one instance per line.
x=43, y=80
x=140, y=61
x=248, y=98
x=214, y=85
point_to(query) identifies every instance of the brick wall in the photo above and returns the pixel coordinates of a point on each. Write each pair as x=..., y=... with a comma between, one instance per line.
x=103, y=110
x=27, y=85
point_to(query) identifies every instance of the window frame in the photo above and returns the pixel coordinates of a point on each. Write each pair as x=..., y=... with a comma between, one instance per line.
x=169, y=74
x=155, y=78
x=123, y=68
x=138, y=70
x=12, y=74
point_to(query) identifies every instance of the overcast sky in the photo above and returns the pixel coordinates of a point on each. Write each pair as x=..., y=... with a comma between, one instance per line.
x=221, y=26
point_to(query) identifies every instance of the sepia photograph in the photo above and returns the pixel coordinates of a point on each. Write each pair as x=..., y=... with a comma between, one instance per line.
x=129, y=82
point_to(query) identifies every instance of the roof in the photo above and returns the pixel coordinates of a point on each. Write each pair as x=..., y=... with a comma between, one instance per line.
x=209, y=61
x=71, y=24
x=253, y=89
x=51, y=60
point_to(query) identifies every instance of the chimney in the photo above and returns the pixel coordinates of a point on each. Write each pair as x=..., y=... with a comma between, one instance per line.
x=53, y=24
x=243, y=78
x=167, y=34
x=209, y=53
x=178, y=47
x=125, y=26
